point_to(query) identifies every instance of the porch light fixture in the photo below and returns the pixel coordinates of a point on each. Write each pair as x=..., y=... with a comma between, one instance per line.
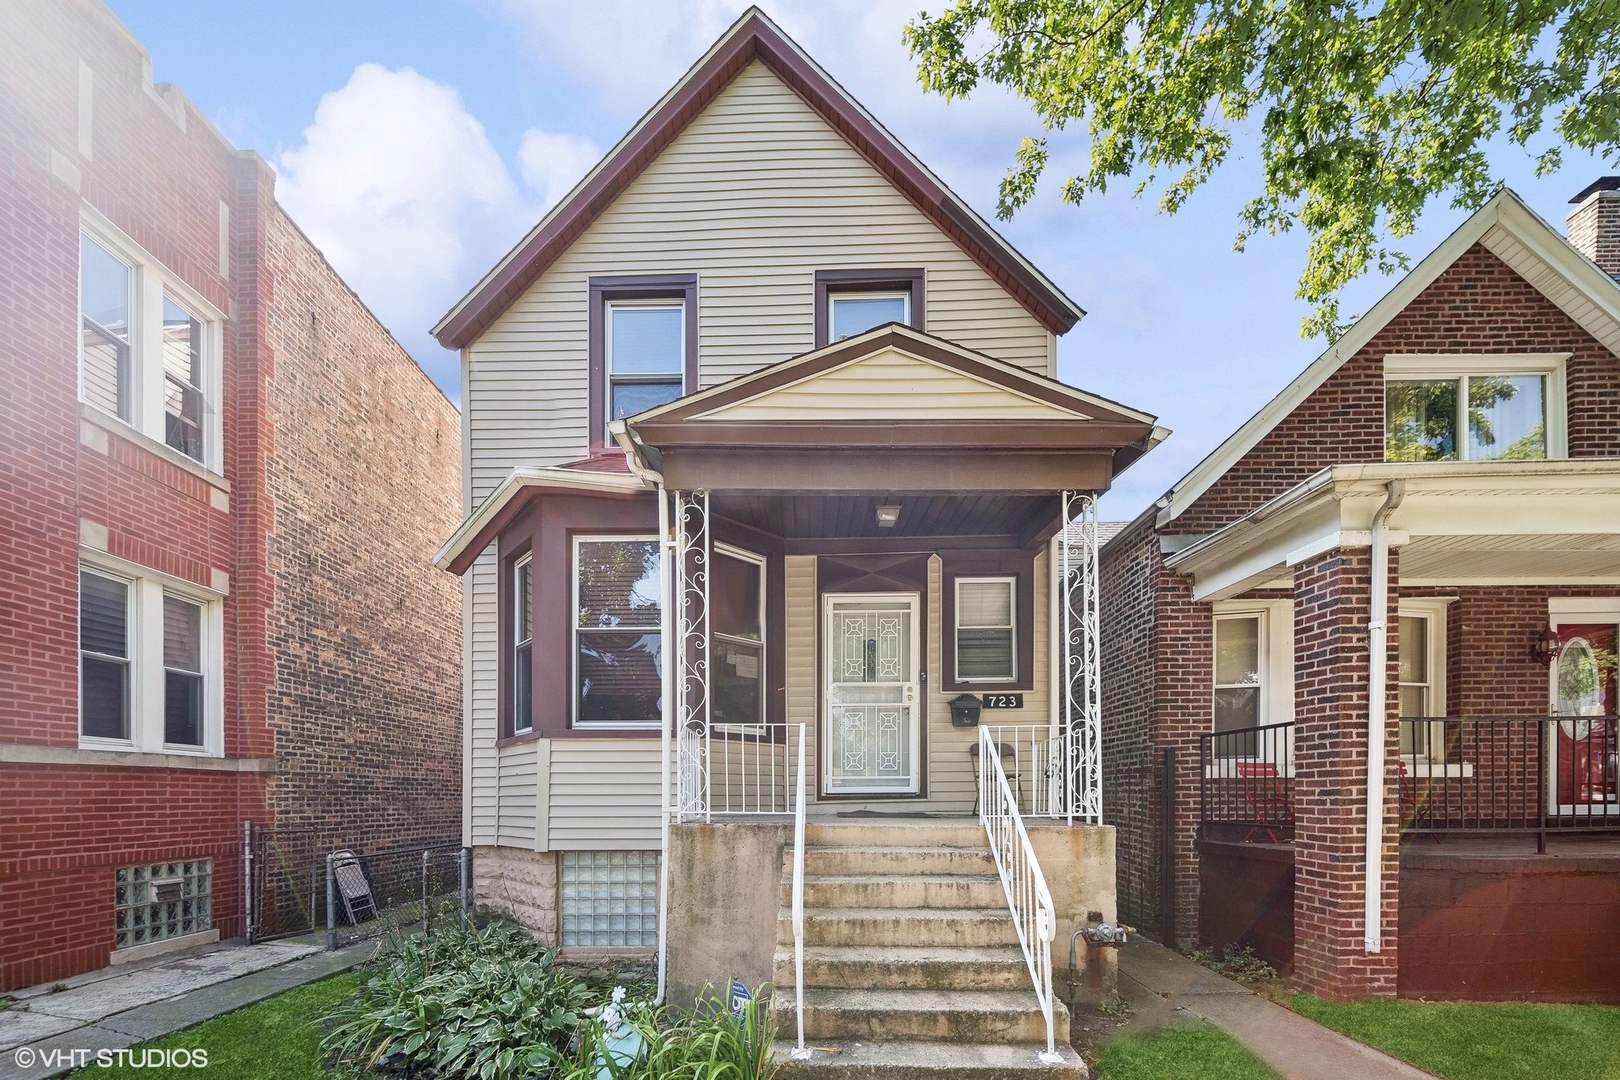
x=887, y=516
x=1544, y=647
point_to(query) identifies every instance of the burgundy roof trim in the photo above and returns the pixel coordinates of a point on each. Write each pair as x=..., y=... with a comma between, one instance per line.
x=754, y=38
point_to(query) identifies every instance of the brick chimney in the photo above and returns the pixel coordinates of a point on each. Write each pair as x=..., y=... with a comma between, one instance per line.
x=1594, y=224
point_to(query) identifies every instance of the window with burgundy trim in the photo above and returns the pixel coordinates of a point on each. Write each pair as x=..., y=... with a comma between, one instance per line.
x=851, y=302
x=618, y=607
x=643, y=346
x=522, y=680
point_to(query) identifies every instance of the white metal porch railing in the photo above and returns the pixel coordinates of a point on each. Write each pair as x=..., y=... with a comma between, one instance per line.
x=1032, y=757
x=799, y=1051
x=1033, y=912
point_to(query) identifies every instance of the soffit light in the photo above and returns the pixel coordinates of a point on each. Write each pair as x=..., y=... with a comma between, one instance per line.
x=887, y=516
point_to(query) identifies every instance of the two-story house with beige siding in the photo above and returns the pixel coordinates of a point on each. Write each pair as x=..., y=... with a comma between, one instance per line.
x=767, y=473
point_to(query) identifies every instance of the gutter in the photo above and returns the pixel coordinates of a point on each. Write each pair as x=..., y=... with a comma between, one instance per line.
x=1377, y=713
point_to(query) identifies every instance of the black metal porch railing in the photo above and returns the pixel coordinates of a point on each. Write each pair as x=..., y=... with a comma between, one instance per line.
x=1246, y=785
x=1474, y=776
x=1523, y=774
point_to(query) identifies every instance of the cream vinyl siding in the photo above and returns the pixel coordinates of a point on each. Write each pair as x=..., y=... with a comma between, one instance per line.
x=755, y=196
x=890, y=385
x=484, y=790
x=604, y=795
x=518, y=792
x=950, y=768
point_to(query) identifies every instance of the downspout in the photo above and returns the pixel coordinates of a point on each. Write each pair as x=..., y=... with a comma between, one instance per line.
x=1377, y=712
x=665, y=656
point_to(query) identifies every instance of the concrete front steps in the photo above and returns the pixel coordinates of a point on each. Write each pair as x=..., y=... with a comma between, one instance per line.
x=912, y=969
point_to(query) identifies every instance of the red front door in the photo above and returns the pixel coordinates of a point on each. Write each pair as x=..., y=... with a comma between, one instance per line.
x=1585, y=688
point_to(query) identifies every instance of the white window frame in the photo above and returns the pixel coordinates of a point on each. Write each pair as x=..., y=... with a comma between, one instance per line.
x=744, y=555
x=150, y=280
x=573, y=632
x=653, y=303
x=1276, y=655
x=1011, y=581
x=1458, y=367
x=1432, y=608
x=835, y=295
x=525, y=561
x=146, y=668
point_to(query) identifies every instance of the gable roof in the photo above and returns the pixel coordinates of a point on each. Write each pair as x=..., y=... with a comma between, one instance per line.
x=752, y=37
x=1507, y=228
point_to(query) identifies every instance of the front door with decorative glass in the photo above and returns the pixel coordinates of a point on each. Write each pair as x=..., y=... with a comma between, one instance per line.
x=1584, y=689
x=871, y=734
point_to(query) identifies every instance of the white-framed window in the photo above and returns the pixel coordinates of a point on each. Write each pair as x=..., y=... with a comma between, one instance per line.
x=618, y=608
x=1421, y=664
x=1488, y=407
x=150, y=345
x=523, y=645
x=737, y=610
x=852, y=313
x=645, y=346
x=151, y=661
x=1253, y=677
x=986, y=636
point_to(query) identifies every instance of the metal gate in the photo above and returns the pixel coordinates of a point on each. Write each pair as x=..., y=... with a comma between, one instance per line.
x=286, y=888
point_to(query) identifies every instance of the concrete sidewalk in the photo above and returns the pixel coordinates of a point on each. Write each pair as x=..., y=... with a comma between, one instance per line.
x=1166, y=988
x=113, y=1009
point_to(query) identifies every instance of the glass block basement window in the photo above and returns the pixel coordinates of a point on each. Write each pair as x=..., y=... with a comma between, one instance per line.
x=164, y=901
x=610, y=898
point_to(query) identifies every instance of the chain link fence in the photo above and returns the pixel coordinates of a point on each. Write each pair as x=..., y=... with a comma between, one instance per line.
x=300, y=886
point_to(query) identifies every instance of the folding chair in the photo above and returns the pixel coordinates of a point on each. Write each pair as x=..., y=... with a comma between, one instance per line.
x=1269, y=807
x=1009, y=763
x=352, y=885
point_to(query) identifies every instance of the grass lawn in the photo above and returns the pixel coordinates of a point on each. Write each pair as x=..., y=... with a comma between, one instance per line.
x=1480, y=1041
x=1178, y=1053
x=276, y=1039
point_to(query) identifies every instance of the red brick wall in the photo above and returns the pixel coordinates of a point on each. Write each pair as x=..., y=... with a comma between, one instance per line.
x=1330, y=781
x=1477, y=305
x=365, y=631
x=379, y=699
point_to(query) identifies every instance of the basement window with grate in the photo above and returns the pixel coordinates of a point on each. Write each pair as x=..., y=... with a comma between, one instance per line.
x=162, y=901
x=610, y=898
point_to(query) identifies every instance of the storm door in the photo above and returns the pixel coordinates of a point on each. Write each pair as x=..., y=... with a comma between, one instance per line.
x=870, y=725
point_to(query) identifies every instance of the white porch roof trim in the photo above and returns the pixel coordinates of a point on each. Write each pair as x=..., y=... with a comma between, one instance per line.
x=1508, y=229
x=516, y=482
x=1483, y=504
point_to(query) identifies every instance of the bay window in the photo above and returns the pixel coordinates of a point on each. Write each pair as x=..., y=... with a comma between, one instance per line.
x=522, y=646
x=618, y=605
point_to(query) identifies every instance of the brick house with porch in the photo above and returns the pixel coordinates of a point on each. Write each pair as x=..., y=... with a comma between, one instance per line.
x=220, y=483
x=1439, y=491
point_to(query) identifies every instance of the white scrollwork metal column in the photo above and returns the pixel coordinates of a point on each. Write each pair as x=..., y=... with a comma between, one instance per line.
x=1082, y=657
x=693, y=701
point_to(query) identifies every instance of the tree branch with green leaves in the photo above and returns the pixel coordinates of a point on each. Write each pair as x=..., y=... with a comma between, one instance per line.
x=1365, y=112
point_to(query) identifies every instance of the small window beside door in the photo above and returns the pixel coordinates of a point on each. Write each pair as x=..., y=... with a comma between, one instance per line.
x=986, y=639
x=737, y=596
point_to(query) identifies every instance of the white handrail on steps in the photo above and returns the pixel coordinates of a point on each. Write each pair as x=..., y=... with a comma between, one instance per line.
x=1034, y=915
x=801, y=1051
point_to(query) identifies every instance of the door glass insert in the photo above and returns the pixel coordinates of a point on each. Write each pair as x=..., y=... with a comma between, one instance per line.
x=1585, y=692
x=870, y=733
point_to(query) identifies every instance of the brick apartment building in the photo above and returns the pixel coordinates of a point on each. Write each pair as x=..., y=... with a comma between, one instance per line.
x=221, y=482
x=1441, y=489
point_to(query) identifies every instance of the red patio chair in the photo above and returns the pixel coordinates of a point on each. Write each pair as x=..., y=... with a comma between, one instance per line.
x=1267, y=804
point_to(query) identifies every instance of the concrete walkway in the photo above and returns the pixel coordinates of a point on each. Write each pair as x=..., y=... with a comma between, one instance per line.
x=1166, y=988
x=117, y=1008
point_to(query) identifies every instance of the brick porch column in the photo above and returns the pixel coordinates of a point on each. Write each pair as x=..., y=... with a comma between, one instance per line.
x=1331, y=604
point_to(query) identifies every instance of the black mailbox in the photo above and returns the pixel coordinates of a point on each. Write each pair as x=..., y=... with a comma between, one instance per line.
x=965, y=711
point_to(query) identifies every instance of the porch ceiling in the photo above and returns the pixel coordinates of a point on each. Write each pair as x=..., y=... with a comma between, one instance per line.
x=983, y=519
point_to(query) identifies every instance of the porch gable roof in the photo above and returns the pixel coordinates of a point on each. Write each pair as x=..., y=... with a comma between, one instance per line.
x=892, y=389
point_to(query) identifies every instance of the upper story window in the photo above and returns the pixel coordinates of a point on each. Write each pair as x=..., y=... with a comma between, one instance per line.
x=150, y=663
x=150, y=347
x=1474, y=408
x=851, y=302
x=855, y=313
x=986, y=642
x=618, y=607
x=643, y=346
x=646, y=355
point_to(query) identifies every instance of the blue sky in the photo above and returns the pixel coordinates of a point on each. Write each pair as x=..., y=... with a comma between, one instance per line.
x=417, y=141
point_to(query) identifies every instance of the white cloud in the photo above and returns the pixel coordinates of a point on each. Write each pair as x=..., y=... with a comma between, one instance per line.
x=552, y=163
